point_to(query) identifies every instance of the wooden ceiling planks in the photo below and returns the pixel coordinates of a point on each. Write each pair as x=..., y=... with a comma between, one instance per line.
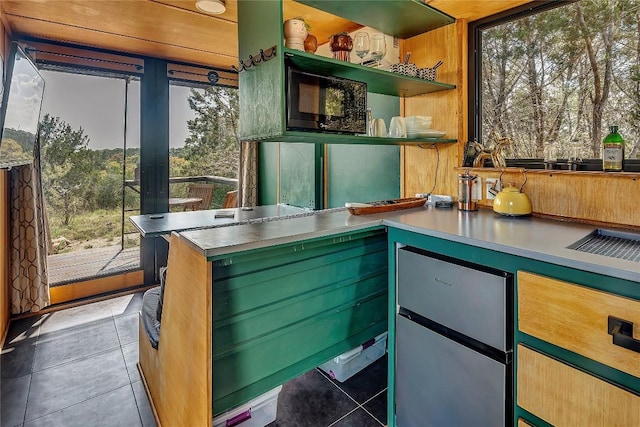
x=474, y=9
x=175, y=29
x=144, y=27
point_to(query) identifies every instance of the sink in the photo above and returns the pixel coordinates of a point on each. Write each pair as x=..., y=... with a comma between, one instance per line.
x=611, y=243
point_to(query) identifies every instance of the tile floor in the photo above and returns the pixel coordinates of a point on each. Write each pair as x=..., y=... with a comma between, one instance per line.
x=77, y=367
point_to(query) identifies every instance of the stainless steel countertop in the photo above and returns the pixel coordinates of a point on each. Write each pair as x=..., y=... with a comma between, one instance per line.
x=530, y=237
x=536, y=238
x=152, y=225
x=237, y=238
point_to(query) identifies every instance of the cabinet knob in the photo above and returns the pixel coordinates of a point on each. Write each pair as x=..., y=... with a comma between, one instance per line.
x=622, y=332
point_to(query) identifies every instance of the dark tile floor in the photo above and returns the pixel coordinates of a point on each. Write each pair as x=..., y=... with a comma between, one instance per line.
x=77, y=367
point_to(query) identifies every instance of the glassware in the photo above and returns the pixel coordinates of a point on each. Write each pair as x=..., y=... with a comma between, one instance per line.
x=361, y=45
x=371, y=130
x=397, y=127
x=550, y=155
x=378, y=48
x=575, y=155
x=612, y=151
x=467, y=200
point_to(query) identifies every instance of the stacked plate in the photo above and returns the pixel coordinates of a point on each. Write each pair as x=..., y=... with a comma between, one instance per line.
x=420, y=127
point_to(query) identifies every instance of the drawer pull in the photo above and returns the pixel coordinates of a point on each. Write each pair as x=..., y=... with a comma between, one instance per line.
x=622, y=332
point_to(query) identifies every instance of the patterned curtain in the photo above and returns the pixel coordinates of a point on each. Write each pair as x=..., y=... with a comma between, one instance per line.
x=29, y=239
x=249, y=173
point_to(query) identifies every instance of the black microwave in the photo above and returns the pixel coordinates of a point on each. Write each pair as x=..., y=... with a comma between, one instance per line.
x=325, y=104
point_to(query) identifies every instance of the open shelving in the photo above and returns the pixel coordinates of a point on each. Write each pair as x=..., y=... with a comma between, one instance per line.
x=399, y=18
x=378, y=81
x=327, y=138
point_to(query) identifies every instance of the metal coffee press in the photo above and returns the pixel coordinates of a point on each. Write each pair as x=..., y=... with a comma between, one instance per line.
x=466, y=196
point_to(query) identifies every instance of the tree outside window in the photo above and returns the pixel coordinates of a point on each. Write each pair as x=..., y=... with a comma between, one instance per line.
x=563, y=77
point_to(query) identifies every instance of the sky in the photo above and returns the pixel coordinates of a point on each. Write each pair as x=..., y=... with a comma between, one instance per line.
x=97, y=104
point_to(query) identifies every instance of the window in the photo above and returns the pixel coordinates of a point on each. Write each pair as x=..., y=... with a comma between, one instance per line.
x=555, y=78
x=89, y=149
x=203, y=140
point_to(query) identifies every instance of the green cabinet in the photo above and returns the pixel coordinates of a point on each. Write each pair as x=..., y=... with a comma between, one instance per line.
x=320, y=176
x=262, y=86
x=331, y=169
x=283, y=310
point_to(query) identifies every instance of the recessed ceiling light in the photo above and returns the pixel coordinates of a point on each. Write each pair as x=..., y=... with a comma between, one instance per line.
x=214, y=7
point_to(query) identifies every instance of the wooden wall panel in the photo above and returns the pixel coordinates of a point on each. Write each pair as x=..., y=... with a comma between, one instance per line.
x=99, y=285
x=447, y=108
x=5, y=305
x=178, y=374
x=596, y=196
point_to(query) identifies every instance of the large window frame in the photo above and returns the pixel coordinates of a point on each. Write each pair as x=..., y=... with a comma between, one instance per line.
x=155, y=75
x=475, y=31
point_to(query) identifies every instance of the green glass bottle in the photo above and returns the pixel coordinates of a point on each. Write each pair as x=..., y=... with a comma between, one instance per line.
x=612, y=151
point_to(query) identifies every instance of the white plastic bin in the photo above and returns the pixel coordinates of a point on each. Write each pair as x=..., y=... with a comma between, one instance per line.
x=353, y=361
x=257, y=413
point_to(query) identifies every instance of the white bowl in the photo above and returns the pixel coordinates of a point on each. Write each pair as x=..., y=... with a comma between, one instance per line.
x=418, y=122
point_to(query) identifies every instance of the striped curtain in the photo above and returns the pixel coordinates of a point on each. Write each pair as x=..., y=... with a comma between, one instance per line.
x=29, y=239
x=249, y=173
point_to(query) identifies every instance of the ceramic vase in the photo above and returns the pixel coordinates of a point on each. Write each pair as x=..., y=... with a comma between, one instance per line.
x=295, y=33
x=341, y=46
x=310, y=44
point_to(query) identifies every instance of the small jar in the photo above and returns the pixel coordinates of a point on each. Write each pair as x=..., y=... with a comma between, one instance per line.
x=310, y=43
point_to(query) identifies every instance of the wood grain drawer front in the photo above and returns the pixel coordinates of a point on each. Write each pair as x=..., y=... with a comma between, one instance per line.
x=564, y=396
x=523, y=423
x=576, y=318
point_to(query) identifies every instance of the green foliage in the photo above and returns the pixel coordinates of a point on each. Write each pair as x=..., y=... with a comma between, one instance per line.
x=84, y=189
x=554, y=77
x=91, y=225
x=213, y=144
x=20, y=144
x=11, y=149
x=66, y=166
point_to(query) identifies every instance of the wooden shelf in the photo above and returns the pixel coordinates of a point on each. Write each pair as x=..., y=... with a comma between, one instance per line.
x=378, y=81
x=400, y=18
x=325, y=138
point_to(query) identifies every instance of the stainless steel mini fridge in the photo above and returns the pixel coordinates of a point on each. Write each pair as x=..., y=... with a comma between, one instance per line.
x=454, y=343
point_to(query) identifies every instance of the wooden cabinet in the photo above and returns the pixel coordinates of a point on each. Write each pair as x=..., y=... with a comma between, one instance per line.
x=574, y=318
x=565, y=396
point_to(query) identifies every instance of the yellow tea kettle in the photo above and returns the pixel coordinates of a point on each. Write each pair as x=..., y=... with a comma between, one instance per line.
x=511, y=201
